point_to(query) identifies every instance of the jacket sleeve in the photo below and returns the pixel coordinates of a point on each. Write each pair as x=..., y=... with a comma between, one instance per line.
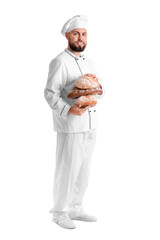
x=103, y=88
x=101, y=83
x=55, y=83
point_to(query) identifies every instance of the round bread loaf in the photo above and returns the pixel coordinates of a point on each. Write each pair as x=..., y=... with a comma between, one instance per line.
x=87, y=81
x=88, y=100
x=76, y=92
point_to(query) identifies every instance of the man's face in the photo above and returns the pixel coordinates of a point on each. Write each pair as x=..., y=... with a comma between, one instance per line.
x=77, y=39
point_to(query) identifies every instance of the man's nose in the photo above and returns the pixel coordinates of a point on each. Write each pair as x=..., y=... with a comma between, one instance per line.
x=80, y=37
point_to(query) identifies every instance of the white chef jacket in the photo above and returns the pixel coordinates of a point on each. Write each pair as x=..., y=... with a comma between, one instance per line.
x=63, y=71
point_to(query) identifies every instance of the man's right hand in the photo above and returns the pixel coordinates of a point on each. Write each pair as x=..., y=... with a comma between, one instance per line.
x=77, y=111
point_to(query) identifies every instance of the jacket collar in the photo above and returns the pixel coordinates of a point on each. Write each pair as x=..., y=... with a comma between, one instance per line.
x=70, y=53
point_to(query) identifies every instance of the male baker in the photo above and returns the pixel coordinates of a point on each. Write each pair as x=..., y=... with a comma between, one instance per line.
x=75, y=127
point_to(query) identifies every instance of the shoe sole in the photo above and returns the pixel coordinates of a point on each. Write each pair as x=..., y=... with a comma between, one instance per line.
x=85, y=220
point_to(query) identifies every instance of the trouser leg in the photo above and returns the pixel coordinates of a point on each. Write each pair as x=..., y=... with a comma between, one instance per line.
x=81, y=182
x=68, y=163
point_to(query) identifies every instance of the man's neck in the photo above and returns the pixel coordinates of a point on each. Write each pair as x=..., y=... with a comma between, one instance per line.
x=77, y=54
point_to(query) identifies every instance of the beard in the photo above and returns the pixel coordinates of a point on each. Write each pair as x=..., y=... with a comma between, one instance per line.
x=75, y=48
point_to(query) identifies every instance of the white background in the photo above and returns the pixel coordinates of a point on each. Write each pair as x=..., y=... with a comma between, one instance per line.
x=123, y=41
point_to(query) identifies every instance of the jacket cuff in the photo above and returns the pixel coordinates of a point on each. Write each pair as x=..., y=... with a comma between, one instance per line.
x=64, y=112
x=103, y=89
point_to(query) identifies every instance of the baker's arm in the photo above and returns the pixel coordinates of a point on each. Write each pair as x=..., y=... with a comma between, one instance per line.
x=100, y=81
x=56, y=81
x=102, y=87
x=75, y=110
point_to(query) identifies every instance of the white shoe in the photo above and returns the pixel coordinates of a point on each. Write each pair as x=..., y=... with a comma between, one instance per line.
x=64, y=221
x=82, y=217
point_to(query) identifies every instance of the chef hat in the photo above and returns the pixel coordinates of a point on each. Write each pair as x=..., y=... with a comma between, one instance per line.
x=78, y=21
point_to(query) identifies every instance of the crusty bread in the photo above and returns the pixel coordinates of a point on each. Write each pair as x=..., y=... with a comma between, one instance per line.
x=76, y=92
x=87, y=81
x=88, y=100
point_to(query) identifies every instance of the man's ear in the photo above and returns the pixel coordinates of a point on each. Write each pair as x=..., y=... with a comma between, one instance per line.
x=66, y=34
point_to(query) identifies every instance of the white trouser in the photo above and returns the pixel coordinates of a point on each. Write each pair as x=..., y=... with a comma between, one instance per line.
x=73, y=158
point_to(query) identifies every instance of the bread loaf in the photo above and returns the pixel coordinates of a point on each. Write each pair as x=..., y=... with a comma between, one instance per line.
x=88, y=100
x=76, y=92
x=87, y=81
